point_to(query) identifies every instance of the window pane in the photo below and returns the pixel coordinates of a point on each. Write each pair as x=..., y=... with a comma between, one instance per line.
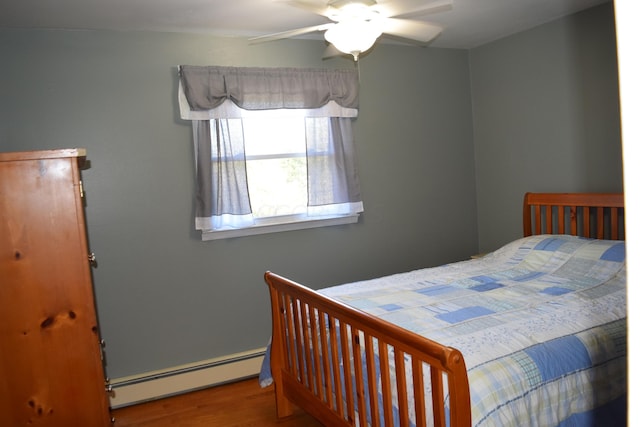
x=277, y=186
x=274, y=135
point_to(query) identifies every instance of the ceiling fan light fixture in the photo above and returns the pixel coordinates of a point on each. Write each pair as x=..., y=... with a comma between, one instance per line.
x=354, y=36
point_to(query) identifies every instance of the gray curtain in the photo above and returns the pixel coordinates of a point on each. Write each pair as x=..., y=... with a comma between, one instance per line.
x=222, y=198
x=222, y=193
x=331, y=164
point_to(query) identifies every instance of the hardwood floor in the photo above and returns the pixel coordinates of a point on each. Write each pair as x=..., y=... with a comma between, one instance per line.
x=239, y=404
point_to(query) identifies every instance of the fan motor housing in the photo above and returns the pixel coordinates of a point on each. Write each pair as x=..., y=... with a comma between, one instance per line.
x=341, y=3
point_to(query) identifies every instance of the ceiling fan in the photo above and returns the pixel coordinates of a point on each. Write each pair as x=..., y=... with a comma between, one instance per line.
x=357, y=24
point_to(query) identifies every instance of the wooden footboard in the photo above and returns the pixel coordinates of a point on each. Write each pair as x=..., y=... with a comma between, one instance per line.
x=346, y=367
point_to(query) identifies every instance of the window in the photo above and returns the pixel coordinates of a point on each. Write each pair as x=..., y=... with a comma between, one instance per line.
x=287, y=161
x=271, y=169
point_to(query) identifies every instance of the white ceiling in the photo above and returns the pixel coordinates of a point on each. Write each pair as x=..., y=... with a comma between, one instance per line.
x=470, y=23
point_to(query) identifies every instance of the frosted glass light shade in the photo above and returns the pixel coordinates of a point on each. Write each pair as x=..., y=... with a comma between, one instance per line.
x=354, y=36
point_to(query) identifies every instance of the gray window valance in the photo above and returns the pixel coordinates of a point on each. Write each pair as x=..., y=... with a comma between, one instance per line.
x=208, y=87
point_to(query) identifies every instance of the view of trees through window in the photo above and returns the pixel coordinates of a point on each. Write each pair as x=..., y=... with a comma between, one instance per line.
x=276, y=165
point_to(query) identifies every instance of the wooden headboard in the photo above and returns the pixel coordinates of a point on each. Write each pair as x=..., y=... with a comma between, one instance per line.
x=594, y=215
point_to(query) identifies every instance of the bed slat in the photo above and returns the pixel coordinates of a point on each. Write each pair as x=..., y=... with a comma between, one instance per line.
x=288, y=317
x=437, y=397
x=346, y=370
x=371, y=381
x=358, y=376
x=401, y=384
x=307, y=345
x=418, y=391
x=323, y=317
x=316, y=354
x=297, y=334
x=614, y=222
x=336, y=367
x=586, y=226
x=385, y=379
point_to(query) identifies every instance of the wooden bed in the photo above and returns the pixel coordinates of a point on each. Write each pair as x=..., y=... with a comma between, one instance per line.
x=311, y=332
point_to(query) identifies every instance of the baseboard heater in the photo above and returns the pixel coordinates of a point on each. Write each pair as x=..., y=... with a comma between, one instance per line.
x=181, y=379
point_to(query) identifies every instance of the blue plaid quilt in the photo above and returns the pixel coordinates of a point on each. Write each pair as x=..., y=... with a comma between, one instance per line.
x=541, y=323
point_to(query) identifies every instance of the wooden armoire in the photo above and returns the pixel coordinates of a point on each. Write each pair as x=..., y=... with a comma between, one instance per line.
x=51, y=361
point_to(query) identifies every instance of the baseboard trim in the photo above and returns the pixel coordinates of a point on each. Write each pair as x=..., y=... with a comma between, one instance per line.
x=180, y=379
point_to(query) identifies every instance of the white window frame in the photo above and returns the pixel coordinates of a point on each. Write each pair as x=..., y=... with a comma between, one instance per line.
x=280, y=224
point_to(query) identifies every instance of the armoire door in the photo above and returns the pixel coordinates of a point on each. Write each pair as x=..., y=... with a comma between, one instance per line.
x=51, y=370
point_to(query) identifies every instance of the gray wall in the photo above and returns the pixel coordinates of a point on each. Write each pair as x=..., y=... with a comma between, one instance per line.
x=546, y=117
x=164, y=297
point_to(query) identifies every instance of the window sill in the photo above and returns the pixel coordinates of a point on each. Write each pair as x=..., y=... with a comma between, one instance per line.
x=275, y=227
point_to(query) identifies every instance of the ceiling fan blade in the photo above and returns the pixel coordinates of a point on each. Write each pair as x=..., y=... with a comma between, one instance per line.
x=290, y=33
x=391, y=10
x=420, y=31
x=319, y=8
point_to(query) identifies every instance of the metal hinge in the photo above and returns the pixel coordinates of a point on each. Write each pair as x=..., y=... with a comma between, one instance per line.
x=81, y=190
x=93, y=261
